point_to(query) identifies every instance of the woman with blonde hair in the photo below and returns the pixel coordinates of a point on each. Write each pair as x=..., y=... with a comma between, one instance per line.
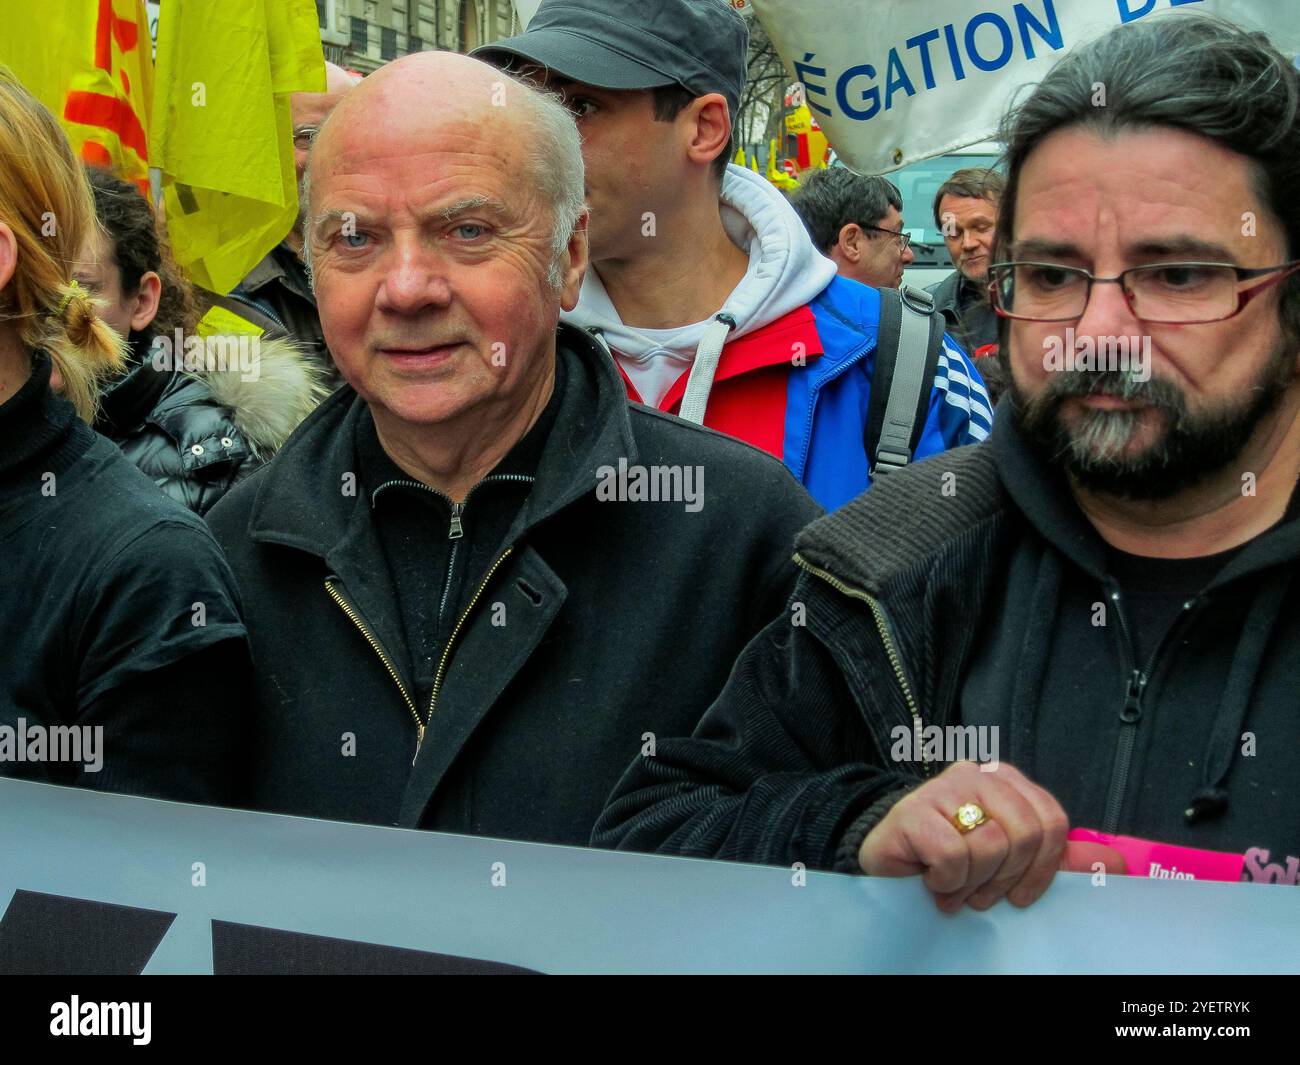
x=125, y=661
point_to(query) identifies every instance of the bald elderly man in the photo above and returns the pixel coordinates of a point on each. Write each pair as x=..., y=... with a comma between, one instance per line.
x=277, y=294
x=477, y=581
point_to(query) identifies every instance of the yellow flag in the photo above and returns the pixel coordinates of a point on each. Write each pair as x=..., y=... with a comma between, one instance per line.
x=740, y=156
x=222, y=134
x=89, y=62
x=776, y=175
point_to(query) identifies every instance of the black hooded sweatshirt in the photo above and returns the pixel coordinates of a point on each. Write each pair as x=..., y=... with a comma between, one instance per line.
x=1152, y=699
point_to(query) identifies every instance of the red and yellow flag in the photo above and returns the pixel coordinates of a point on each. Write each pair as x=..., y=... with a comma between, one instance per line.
x=90, y=62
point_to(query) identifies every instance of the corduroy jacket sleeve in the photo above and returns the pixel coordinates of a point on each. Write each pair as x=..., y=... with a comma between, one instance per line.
x=780, y=770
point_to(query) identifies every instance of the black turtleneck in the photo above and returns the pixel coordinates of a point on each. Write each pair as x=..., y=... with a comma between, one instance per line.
x=437, y=564
x=39, y=433
x=117, y=613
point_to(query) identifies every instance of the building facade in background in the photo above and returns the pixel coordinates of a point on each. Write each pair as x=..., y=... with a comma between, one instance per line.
x=362, y=35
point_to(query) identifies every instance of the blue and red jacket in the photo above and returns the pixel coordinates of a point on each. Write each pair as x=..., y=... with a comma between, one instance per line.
x=811, y=412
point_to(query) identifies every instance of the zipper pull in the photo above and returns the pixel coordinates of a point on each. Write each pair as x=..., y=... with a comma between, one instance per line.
x=457, y=530
x=1133, y=701
x=419, y=742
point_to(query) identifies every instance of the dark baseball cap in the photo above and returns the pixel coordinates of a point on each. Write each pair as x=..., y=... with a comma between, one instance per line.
x=701, y=45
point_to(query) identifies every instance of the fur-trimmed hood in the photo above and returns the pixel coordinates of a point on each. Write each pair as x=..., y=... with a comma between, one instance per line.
x=267, y=404
x=197, y=432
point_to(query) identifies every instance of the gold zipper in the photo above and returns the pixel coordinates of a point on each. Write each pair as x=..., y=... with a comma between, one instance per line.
x=446, y=651
x=878, y=614
x=361, y=626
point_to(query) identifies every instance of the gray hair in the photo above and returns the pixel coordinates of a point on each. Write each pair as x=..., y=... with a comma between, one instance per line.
x=555, y=166
x=1192, y=72
x=555, y=159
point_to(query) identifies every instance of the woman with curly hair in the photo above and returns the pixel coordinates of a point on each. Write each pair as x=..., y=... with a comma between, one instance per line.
x=196, y=431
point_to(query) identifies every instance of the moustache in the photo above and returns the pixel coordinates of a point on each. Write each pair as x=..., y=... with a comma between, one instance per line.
x=1123, y=384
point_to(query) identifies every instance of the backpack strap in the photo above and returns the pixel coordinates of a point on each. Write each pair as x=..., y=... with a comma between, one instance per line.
x=908, y=342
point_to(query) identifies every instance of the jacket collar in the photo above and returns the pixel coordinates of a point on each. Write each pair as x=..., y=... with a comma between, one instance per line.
x=310, y=497
x=1040, y=492
x=945, y=293
x=281, y=265
x=34, y=422
x=890, y=529
x=764, y=348
x=40, y=435
x=128, y=400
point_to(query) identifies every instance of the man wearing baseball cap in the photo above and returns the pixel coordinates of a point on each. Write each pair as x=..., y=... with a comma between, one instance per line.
x=704, y=283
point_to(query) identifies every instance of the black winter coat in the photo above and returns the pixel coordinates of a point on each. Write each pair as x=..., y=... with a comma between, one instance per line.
x=621, y=621
x=978, y=564
x=195, y=435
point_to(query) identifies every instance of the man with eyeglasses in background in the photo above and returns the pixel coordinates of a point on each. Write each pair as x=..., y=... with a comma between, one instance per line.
x=276, y=295
x=856, y=221
x=1103, y=594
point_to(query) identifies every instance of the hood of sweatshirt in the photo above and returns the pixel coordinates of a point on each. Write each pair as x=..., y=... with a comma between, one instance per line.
x=785, y=272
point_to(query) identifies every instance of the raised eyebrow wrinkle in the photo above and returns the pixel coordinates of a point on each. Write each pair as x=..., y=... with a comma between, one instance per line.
x=330, y=215
x=471, y=203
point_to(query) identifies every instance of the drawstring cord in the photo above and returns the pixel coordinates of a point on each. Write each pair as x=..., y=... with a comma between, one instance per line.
x=1212, y=799
x=707, y=355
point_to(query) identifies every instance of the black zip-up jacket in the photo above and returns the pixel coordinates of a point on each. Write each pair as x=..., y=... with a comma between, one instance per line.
x=599, y=626
x=965, y=590
x=968, y=317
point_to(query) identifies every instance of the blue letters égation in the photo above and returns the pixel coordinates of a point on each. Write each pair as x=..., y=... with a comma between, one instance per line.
x=944, y=53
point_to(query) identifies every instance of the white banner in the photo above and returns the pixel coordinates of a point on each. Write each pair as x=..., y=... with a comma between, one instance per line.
x=99, y=883
x=894, y=81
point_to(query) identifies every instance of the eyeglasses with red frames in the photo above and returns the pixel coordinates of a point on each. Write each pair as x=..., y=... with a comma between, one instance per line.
x=1159, y=293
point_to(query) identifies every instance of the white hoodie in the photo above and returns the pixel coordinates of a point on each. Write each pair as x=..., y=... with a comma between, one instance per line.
x=785, y=272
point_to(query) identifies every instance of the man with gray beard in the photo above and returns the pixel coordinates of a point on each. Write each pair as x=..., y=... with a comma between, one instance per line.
x=1102, y=583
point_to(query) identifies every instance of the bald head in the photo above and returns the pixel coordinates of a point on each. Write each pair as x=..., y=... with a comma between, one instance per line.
x=429, y=99
x=310, y=109
x=444, y=239
x=400, y=95
x=338, y=80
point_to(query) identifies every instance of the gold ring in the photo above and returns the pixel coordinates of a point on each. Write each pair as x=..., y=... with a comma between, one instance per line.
x=969, y=815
